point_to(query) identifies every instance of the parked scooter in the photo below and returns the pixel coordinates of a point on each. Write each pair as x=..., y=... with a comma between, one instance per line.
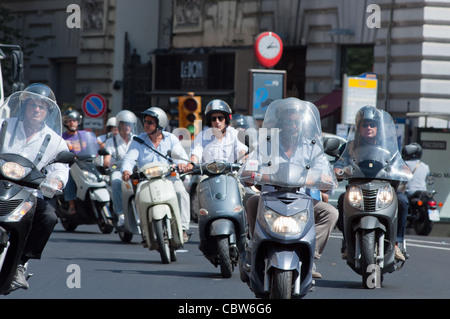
x=221, y=217
x=19, y=178
x=278, y=259
x=370, y=204
x=157, y=205
x=93, y=200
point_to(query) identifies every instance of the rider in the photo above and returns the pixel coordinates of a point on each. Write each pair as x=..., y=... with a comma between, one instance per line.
x=368, y=133
x=412, y=154
x=155, y=121
x=219, y=140
x=111, y=130
x=77, y=141
x=117, y=146
x=325, y=215
x=40, y=107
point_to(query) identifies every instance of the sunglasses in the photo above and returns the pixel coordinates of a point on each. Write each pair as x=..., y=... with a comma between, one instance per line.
x=220, y=118
x=149, y=122
x=367, y=124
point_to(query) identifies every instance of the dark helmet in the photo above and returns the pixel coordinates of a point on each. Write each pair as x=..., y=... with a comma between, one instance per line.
x=217, y=106
x=72, y=114
x=367, y=113
x=39, y=90
x=161, y=117
x=412, y=151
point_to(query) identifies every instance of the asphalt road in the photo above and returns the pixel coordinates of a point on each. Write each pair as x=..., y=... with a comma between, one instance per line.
x=86, y=264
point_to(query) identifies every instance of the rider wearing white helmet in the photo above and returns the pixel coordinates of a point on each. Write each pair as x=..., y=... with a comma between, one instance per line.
x=155, y=121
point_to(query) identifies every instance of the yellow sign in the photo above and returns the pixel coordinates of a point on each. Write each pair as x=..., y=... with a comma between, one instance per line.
x=362, y=83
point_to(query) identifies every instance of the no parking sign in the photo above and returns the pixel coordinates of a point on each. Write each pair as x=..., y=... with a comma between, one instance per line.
x=94, y=105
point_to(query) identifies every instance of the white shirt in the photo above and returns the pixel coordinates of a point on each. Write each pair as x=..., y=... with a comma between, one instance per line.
x=421, y=171
x=117, y=149
x=31, y=148
x=207, y=147
x=140, y=154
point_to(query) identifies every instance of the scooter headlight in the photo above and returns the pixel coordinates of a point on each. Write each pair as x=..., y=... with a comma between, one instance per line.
x=20, y=211
x=355, y=197
x=385, y=197
x=90, y=177
x=13, y=170
x=216, y=167
x=155, y=171
x=286, y=225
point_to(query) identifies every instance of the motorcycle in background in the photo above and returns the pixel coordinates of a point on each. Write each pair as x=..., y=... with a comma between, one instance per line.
x=423, y=210
x=93, y=200
x=221, y=217
x=370, y=203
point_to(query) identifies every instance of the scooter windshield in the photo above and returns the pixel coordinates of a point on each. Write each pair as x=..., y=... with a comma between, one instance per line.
x=372, y=149
x=89, y=145
x=290, y=151
x=29, y=124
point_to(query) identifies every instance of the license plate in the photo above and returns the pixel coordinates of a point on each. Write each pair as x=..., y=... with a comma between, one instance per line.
x=433, y=214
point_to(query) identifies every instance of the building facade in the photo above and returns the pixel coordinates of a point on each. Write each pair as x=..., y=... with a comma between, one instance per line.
x=161, y=49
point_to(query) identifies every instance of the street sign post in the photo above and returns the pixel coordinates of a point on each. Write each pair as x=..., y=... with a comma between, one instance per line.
x=94, y=107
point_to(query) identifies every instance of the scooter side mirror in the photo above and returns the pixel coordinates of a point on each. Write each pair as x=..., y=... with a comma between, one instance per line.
x=331, y=146
x=65, y=157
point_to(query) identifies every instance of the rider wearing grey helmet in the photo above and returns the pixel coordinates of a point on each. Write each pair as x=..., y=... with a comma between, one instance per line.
x=155, y=121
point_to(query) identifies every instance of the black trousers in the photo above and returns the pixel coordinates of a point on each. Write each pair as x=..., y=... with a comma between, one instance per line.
x=44, y=222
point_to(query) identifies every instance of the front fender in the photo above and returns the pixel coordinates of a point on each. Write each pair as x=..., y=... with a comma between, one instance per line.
x=284, y=260
x=222, y=226
x=158, y=212
x=369, y=222
x=100, y=195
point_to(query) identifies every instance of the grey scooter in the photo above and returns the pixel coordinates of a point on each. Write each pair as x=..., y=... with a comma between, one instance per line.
x=221, y=217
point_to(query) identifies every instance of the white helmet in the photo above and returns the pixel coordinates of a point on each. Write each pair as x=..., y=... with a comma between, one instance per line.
x=159, y=115
x=111, y=122
x=126, y=116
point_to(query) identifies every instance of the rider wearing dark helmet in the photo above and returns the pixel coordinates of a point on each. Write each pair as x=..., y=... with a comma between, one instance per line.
x=219, y=140
x=412, y=154
x=77, y=141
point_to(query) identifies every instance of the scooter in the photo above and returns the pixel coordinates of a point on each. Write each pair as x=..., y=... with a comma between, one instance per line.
x=157, y=205
x=132, y=225
x=278, y=258
x=423, y=210
x=221, y=217
x=370, y=203
x=20, y=178
x=93, y=200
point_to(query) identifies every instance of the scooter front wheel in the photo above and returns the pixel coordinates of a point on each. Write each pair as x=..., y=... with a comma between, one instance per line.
x=226, y=267
x=281, y=284
x=160, y=228
x=371, y=276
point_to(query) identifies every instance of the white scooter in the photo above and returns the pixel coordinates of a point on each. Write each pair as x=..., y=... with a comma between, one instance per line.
x=93, y=199
x=157, y=204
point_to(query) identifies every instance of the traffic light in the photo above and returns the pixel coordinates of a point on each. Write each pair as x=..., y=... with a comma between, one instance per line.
x=189, y=109
x=173, y=111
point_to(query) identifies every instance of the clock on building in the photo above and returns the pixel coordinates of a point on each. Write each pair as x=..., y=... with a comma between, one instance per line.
x=268, y=49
